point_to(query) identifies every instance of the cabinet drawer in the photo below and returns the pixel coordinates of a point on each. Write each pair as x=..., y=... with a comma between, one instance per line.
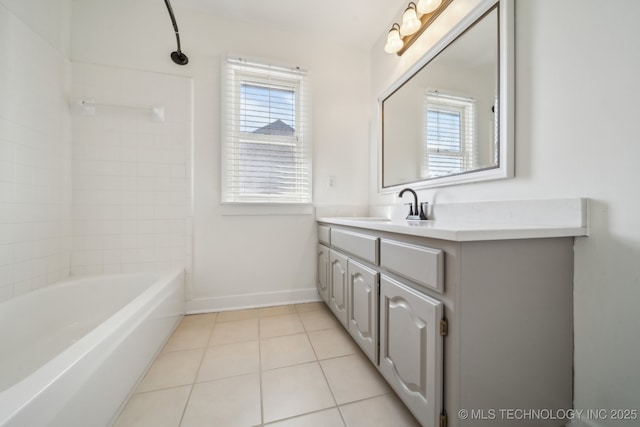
x=324, y=234
x=418, y=263
x=361, y=245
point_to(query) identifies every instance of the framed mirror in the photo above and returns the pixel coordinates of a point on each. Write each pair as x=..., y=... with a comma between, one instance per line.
x=449, y=119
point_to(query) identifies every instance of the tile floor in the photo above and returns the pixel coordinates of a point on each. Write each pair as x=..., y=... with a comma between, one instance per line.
x=284, y=366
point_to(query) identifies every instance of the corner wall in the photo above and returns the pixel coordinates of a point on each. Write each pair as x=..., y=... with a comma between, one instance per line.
x=35, y=145
x=249, y=259
x=577, y=95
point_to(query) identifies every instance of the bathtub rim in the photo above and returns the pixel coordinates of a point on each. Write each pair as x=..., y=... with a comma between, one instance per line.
x=21, y=394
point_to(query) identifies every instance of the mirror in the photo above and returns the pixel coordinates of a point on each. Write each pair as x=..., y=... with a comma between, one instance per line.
x=447, y=121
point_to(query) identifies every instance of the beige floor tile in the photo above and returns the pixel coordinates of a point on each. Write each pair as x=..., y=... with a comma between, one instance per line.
x=276, y=310
x=227, y=316
x=192, y=332
x=382, y=411
x=188, y=337
x=228, y=360
x=327, y=418
x=161, y=408
x=234, y=331
x=288, y=350
x=294, y=390
x=227, y=402
x=172, y=369
x=318, y=320
x=274, y=326
x=310, y=306
x=330, y=343
x=205, y=319
x=353, y=378
x=240, y=380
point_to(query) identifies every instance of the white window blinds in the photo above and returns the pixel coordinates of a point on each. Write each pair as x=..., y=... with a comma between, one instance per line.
x=449, y=134
x=266, y=141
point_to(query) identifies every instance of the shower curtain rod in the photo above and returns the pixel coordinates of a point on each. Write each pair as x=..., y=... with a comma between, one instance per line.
x=178, y=57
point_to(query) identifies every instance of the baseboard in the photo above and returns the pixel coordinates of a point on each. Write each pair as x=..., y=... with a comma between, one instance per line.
x=239, y=302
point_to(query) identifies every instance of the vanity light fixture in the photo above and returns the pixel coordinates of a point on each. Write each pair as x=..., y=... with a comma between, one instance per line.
x=428, y=6
x=410, y=21
x=394, y=40
x=415, y=19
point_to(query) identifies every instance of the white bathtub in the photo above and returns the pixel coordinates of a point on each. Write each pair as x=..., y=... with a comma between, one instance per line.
x=71, y=353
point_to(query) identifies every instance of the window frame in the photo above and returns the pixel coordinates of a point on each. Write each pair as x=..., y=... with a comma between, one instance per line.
x=236, y=72
x=447, y=103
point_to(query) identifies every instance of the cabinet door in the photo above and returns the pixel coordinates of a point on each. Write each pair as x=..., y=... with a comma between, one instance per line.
x=411, y=348
x=363, y=308
x=323, y=273
x=338, y=286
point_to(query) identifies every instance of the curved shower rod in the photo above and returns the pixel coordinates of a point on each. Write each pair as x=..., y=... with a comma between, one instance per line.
x=178, y=57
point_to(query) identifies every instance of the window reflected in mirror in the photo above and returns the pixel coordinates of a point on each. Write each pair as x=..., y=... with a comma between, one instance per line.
x=443, y=120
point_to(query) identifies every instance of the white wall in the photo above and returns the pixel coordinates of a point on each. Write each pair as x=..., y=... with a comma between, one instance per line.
x=576, y=106
x=48, y=19
x=34, y=145
x=243, y=260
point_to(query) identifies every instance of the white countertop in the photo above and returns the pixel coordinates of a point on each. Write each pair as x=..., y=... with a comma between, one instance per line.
x=460, y=231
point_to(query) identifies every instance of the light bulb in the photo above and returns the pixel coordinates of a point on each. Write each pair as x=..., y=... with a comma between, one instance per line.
x=428, y=6
x=394, y=42
x=410, y=21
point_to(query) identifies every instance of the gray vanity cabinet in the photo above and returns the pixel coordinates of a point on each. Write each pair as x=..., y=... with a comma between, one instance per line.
x=338, y=285
x=411, y=347
x=363, y=308
x=458, y=324
x=324, y=273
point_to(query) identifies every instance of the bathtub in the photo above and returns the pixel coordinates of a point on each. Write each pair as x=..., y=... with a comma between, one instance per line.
x=71, y=353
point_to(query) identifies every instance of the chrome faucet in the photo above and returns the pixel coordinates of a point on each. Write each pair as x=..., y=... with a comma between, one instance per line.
x=414, y=213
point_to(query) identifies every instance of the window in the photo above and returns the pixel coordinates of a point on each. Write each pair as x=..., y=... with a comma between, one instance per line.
x=449, y=135
x=266, y=155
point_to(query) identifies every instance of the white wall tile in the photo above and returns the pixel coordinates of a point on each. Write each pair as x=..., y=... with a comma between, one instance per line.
x=130, y=177
x=146, y=255
x=111, y=168
x=146, y=169
x=128, y=168
x=112, y=268
x=145, y=183
x=6, y=274
x=146, y=241
x=6, y=255
x=22, y=287
x=112, y=242
x=146, y=226
x=163, y=241
x=7, y=233
x=24, y=270
x=6, y=292
x=128, y=241
x=23, y=251
x=110, y=257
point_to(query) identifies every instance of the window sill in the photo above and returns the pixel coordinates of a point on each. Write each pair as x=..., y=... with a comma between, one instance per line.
x=266, y=209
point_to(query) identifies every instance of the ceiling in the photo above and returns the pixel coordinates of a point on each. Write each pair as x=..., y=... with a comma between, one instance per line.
x=357, y=23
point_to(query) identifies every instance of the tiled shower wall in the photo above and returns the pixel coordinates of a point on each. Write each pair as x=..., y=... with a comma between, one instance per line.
x=35, y=147
x=131, y=172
